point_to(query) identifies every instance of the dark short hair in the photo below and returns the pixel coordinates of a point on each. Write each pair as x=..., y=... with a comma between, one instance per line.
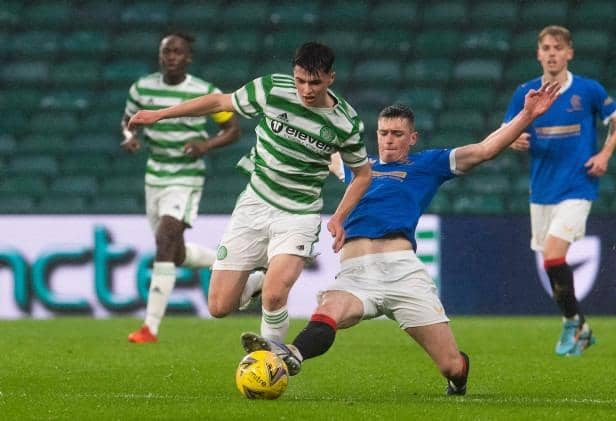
x=189, y=39
x=398, y=111
x=314, y=57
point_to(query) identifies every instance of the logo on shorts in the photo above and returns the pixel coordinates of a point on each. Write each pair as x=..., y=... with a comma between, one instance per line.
x=222, y=253
x=327, y=134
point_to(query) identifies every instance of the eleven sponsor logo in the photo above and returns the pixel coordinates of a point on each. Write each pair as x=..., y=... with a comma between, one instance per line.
x=584, y=257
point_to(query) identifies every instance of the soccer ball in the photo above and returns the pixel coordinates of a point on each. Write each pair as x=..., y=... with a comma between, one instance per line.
x=261, y=375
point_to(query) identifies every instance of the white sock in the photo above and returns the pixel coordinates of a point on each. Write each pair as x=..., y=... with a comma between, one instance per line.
x=275, y=324
x=198, y=257
x=253, y=284
x=163, y=280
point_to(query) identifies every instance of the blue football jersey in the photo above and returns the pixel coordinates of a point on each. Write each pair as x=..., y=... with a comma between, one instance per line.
x=563, y=139
x=398, y=195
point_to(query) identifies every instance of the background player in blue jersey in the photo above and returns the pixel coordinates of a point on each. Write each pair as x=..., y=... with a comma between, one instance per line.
x=380, y=273
x=565, y=171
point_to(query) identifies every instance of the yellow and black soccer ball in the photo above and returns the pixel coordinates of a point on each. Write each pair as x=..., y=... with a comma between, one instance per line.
x=262, y=375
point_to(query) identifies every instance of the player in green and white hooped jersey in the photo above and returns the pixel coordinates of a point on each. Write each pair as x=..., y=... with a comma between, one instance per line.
x=276, y=219
x=175, y=169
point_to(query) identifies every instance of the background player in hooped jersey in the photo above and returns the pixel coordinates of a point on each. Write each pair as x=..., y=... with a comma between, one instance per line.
x=380, y=273
x=276, y=220
x=175, y=171
x=565, y=171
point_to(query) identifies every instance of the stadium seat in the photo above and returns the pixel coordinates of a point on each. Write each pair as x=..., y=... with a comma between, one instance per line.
x=66, y=100
x=235, y=46
x=607, y=185
x=588, y=67
x=24, y=99
x=300, y=15
x=35, y=44
x=482, y=204
x=103, y=120
x=542, y=13
x=246, y=14
x=520, y=185
x=451, y=137
x=395, y=14
x=62, y=204
x=136, y=44
x=418, y=98
x=16, y=203
x=476, y=98
x=377, y=72
x=369, y=98
x=132, y=185
x=7, y=144
x=494, y=14
x=344, y=43
x=591, y=42
x=494, y=43
x=130, y=164
x=518, y=204
x=61, y=122
x=445, y=14
x=97, y=142
x=127, y=71
x=10, y=13
x=487, y=183
x=43, y=143
x=478, y=71
x=440, y=204
x=195, y=15
x=88, y=14
x=284, y=43
x=86, y=44
x=593, y=14
x=150, y=14
x=441, y=43
x=48, y=14
x=76, y=73
x=15, y=122
x=524, y=44
x=116, y=204
x=33, y=164
x=425, y=123
x=112, y=99
x=346, y=13
x=470, y=120
x=25, y=73
x=85, y=164
x=387, y=42
x=74, y=185
x=433, y=72
x=276, y=65
x=522, y=70
x=32, y=185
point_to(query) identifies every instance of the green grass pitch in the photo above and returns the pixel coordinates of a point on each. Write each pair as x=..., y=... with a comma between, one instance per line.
x=84, y=369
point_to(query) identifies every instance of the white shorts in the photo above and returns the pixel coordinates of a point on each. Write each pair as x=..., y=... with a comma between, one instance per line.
x=181, y=203
x=258, y=231
x=394, y=284
x=565, y=220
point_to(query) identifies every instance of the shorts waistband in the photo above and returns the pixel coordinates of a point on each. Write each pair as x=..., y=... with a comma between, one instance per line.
x=372, y=258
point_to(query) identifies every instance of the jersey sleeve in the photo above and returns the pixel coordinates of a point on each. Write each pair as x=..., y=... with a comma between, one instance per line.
x=353, y=151
x=133, y=101
x=441, y=162
x=250, y=100
x=515, y=105
x=602, y=102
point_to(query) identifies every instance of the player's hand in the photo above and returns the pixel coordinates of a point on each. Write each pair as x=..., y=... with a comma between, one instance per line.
x=196, y=149
x=131, y=145
x=335, y=228
x=537, y=102
x=143, y=118
x=597, y=165
x=522, y=143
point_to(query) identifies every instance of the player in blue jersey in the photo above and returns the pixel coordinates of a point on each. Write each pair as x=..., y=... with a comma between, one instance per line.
x=565, y=171
x=380, y=272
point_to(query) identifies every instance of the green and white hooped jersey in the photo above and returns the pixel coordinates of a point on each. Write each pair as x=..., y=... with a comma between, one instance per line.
x=167, y=164
x=295, y=142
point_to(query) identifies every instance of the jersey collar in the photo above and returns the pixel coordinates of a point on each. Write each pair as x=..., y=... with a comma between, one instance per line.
x=567, y=84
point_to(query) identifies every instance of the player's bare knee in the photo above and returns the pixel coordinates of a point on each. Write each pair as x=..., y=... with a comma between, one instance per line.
x=218, y=310
x=273, y=300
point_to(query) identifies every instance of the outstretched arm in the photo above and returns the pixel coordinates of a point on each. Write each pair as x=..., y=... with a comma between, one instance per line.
x=362, y=176
x=597, y=164
x=203, y=105
x=535, y=104
x=229, y=133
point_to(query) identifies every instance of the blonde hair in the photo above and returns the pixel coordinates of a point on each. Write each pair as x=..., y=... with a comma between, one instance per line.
x=557, y=32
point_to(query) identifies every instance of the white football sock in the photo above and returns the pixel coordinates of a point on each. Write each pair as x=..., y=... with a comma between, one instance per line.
x=163, y=280
x=198, y=257
x=275, y=324
x=253, y=284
